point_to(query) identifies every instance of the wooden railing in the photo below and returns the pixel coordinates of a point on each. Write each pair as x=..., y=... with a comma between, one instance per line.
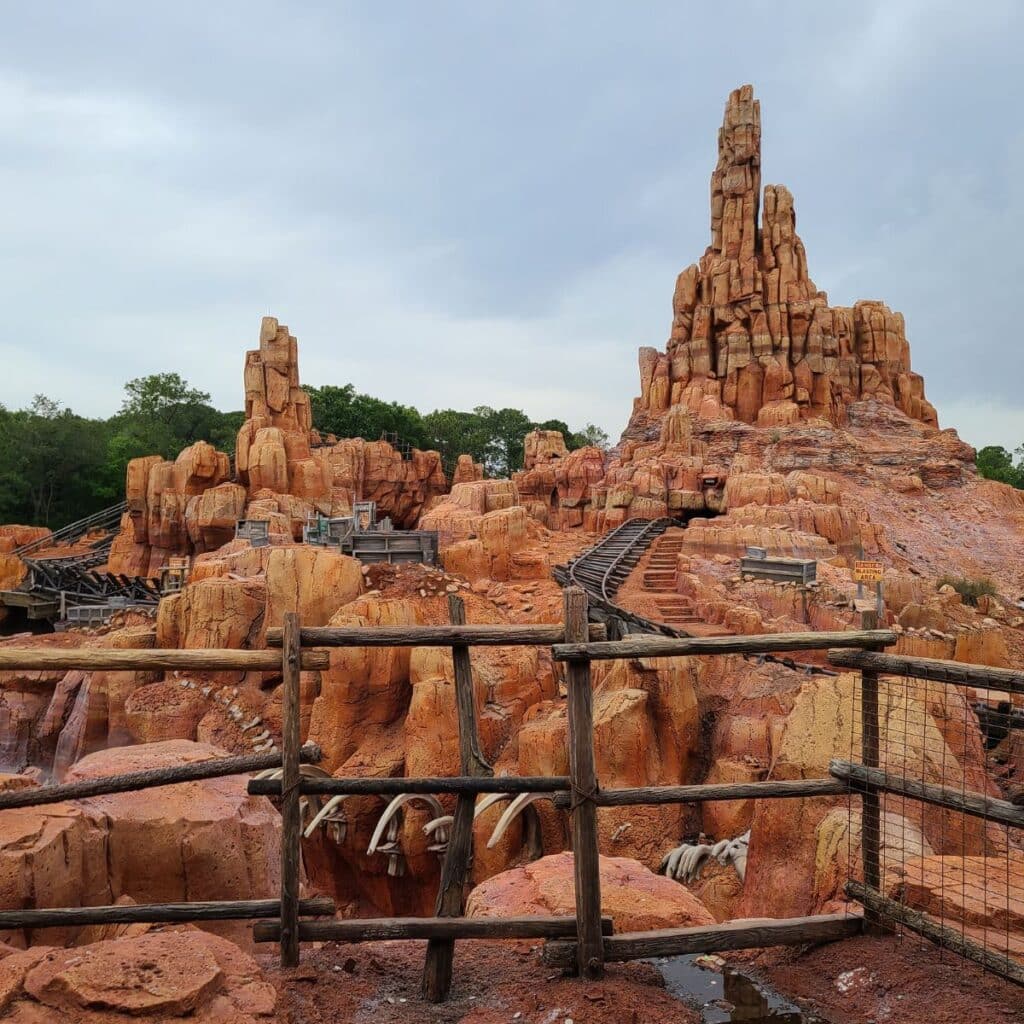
x=584, y=941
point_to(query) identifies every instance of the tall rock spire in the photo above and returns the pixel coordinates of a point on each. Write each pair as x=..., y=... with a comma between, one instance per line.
x=752, y=338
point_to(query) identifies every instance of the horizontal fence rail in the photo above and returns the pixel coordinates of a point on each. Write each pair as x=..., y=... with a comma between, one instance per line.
x=159, y=913
x=147, y=659
x=770, y=789
x=151, y=777
x=397, y=928
x=432, y=636
x=975, y=804
x=957, y=673
x=714, y=938
x=395, y=786
x=765, y=643
x=942, y=935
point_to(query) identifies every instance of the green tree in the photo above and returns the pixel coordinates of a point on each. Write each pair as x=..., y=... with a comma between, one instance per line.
x=590, y=436
x=996, y=463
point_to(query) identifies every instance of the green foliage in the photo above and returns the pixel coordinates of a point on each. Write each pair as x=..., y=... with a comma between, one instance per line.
x=56, y=467
x=970, y=590
x=996, y=463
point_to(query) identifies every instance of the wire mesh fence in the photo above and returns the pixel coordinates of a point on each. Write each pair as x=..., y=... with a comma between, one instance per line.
x=939, y=810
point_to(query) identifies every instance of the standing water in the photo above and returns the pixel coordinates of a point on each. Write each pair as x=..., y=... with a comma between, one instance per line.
x=722, y=994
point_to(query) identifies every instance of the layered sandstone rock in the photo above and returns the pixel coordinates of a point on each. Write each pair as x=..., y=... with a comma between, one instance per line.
x=147, y=976
x=555, y=484
x=204, y=840
x=752, y=337
x=634, y=897
x=285, y=472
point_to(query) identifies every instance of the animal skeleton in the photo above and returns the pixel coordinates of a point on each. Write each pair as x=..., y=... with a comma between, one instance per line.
x=685, y=862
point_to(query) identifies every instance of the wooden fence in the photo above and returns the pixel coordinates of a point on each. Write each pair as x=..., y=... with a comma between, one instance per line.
x=582, y=942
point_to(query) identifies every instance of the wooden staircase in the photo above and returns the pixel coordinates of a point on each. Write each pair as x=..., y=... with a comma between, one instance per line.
x=660, y=578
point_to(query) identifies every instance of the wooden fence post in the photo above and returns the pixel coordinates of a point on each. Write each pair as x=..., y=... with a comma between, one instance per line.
x=870, y=817
x=291, y=823
x=583, y=775
x=437, y=972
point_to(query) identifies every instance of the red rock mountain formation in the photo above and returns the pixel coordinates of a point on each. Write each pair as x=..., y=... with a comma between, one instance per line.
x=752, y=337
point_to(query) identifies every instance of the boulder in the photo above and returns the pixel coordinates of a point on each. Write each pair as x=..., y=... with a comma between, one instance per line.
x=634, y=897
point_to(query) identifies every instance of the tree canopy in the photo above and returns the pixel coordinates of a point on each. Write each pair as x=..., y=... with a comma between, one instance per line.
x=57, y=466
x=996, y=463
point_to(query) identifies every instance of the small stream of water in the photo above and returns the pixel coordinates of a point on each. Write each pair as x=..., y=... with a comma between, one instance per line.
x=725, y=995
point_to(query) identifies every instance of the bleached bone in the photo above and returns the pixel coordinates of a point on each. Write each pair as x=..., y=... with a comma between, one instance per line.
x=324, y=811
x=685, y=862
x=252, y=725
x=394, y=807
x=522, y=801
x=489, y=801
x=444, y=822
x=260, y=737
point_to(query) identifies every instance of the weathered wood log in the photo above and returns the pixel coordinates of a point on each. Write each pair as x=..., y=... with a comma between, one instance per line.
x=582, y=771
x=291, y=797
x=394, y=786
x=781, y=788
x=156, y=913
x=670, y=647
x=102, y=659
x=434, y=636
x=447, y=928
x=437, y=971
x=152, y=777
x=748, y=934
x=927, y=927
x=957, y=673
x=872, y=781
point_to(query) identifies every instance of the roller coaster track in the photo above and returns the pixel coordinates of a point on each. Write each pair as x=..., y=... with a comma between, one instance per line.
x=76, y=576
x=602, y=569
x=106, y=519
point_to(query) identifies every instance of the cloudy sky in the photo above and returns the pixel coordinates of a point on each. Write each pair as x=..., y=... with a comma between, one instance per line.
x=453, y=204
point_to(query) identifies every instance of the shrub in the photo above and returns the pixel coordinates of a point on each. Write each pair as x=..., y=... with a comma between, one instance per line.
x=970, y=590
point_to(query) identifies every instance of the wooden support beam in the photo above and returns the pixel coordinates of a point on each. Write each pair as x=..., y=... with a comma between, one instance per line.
x=291, y=810
x=582, y=771
x=437, y=972
x=431, y=928
x=434, y=636
x=871, y=812
x=957, y=673
x=670, y=647
x=394, y=786
x=157, y=913
x=872, y=781
x=151, y=777
x=927, y=927
x=750, y=934
x=103, y=659
x=781, y=788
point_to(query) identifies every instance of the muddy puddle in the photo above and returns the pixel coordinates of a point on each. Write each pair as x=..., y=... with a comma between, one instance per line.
x=723, y=994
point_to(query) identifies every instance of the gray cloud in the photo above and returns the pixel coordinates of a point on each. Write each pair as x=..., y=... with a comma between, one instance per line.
x=457, y=203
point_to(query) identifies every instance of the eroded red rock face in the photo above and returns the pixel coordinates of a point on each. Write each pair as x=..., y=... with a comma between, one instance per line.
x=284, y=472
x=752, y=338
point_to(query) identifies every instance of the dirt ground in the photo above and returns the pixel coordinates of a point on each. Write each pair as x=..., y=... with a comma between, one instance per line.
x=899, y=980
x=891, y=980
x=495, y=983
x=857, y=981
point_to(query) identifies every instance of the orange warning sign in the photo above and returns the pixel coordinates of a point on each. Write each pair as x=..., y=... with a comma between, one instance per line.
x=868, y=572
